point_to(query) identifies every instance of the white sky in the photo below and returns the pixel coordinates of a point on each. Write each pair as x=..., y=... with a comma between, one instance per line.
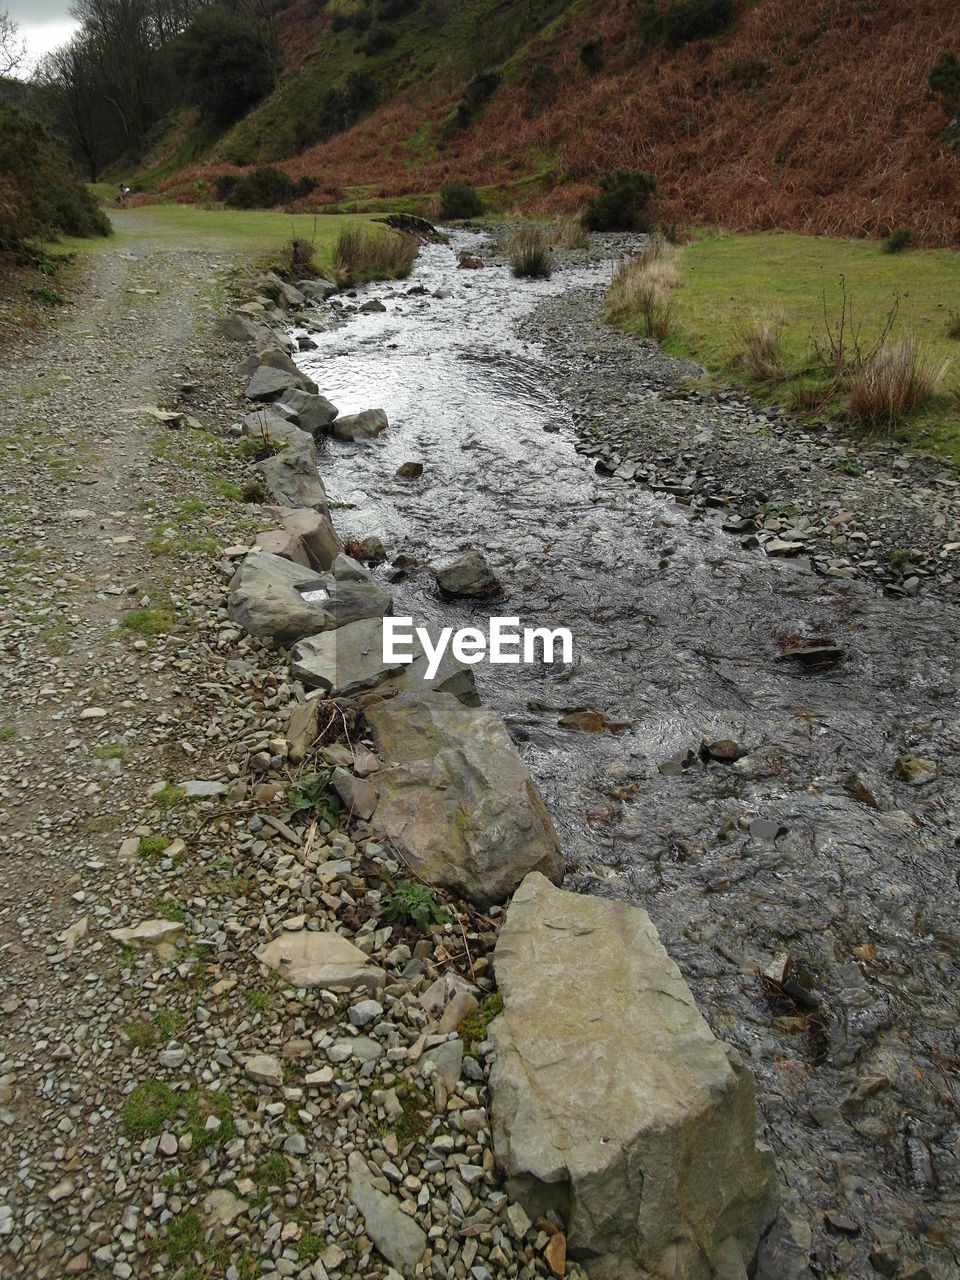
x=43, y=37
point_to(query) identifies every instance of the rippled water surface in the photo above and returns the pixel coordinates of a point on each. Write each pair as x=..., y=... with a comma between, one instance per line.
x=677, y=637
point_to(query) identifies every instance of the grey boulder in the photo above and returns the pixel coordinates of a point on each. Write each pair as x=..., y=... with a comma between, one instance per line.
x=457, y=799
x=306, y=536
x=613, y=1103
x=360, y=426
x=268, y=383
x=291, y=477
x=470, y=577
x=349, y=661
x=271, y=596
x=314, y=412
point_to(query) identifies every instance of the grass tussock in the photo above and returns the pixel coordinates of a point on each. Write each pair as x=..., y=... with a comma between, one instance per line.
x=640, y=296
x=762, y=355
x=361, y=255
x=529, y=252
x=898, y=380
x=570, y=233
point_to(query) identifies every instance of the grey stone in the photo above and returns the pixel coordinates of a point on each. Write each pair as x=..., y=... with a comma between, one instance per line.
x=314, y=413
x=360, y=426
x=150, y=933
x=350, y=661
x=306, y=536
x=401, y=1240
x=358, y=795
x=364, y=1012
x=457, y=799
x=613, y=1103
x=469, y=576
x=309, y=958
x=267, y=599
x=291, y=477
x=446, y=1060
x=264, y=1069
x=268, y=383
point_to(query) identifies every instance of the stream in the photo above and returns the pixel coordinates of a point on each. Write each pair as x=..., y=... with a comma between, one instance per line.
x=810, y=844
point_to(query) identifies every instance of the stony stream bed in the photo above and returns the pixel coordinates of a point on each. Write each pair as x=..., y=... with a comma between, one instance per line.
x=809, y=888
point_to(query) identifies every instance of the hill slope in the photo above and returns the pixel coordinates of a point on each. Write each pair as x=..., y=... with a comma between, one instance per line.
x=809, y=115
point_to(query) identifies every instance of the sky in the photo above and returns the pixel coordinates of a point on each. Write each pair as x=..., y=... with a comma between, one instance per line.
x=43, y=24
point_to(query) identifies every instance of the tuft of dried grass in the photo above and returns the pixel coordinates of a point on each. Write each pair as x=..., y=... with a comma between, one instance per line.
x=897, y=381
x=762, y=357
x=641, y=291
x=529, y=253
x=361, y=255
x=570, y=233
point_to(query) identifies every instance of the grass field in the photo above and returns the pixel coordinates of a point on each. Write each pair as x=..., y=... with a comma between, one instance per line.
x=259, y=234
x=727, y=281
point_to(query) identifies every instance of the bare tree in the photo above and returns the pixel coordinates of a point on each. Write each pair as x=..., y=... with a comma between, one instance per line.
x=70, y=77
x=12, y=48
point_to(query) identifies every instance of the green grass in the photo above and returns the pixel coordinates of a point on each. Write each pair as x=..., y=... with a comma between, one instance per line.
x=253, y=233
x=728, y=280
x=147, y=1108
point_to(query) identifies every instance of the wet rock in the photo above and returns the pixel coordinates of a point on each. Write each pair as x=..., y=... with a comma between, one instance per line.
x=470, y=577
x=782, y=547
x=401, y=1241
x=724, y=750
x=584, y=721
x=409, y=471
x=764, y=829
x=372, y=305
x=613, y=1104
x=914, y=771
x=812, y=655
x=267, y=599
x=457, y=799
x=314, y=412
x=242, y=328
x=360, y=426
x=314, y=958
x=350, y=661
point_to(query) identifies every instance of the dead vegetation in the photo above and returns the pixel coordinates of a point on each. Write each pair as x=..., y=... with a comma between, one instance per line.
x=641, y=292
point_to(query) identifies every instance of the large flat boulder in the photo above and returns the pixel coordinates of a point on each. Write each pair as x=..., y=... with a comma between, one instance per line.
x=349, y=661
x=321, y=958
x=614, y=1104
x=457, y=798
x=291, y=477
x=271, y=596
x=269, y=383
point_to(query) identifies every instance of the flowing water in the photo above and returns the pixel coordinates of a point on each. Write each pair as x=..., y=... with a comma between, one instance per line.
x=809, y=845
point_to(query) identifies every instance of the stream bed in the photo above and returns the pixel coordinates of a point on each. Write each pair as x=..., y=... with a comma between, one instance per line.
x=810, y=844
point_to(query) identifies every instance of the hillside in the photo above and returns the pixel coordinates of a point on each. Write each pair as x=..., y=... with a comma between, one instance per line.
x=740, y=129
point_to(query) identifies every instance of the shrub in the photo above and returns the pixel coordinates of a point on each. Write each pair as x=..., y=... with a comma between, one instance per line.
x=895, y=382
x=378, y=38
x=298, y=262
x=459, y=201
x=761, y=357
x=361, y=254
x=389, y=10
x=641, y=292
x=264, y=188
x=685, y=20
x=591, y=56
x=480, y=88
x=953, y=325
x=898, y=240
x=529, y=253
x=622, y=202
x=543, y=85
x=944, y=81
x=39, y=196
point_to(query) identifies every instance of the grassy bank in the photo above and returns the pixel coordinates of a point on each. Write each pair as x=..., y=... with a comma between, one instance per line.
x=258, y=233
x=730, y=287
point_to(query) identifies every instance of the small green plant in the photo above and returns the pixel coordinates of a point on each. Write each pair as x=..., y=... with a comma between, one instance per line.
x=898, y=240
x=168, y=797
x=621, y=204
x=458, y=201
x=361, y=255
x=184, y=1236
x=762, y=355
x=227, y=489
x=313, y=795
x=152, y=846
x=473, y=1029
x=309, y=1247
x=272, y=1171
x=147, y=1108
x=529, y=253
x=953, y=325
x=169, y=1022
x=414, y=903
x=140, y=1034
x=147, y=622
x=109, y=751
x=298, y=260
x=7, y=732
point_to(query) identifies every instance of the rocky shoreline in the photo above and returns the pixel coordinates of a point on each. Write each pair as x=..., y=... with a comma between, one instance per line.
x=438, y=782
